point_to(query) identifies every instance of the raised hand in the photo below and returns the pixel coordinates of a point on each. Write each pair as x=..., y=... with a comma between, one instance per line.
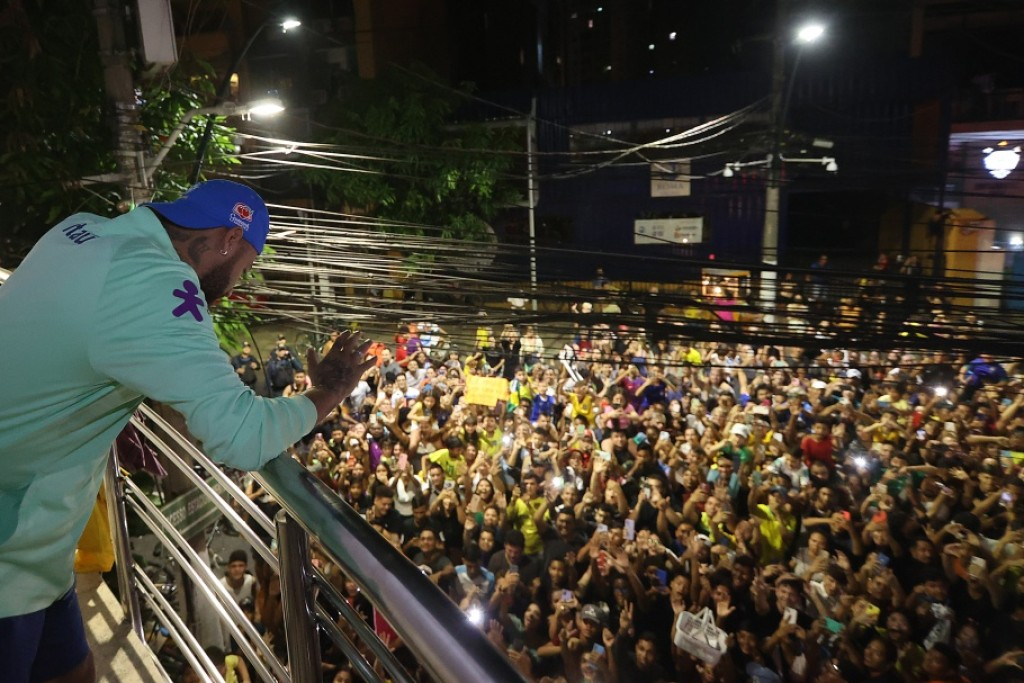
x=337, y=374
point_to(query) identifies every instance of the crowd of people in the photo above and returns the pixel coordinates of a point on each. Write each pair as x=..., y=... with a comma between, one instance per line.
x=842, y=515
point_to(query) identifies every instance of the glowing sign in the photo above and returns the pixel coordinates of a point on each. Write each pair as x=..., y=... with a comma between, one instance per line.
x=999, y=162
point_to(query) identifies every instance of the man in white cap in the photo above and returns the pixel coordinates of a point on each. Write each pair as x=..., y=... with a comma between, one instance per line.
x=102, y=313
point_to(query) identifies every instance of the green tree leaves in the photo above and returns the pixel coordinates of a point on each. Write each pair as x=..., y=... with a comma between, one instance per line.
x=412, y=163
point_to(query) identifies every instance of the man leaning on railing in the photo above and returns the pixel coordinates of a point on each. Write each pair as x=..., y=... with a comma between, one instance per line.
x=110, y=311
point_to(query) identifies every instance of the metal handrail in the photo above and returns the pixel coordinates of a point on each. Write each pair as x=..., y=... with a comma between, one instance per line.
x=259, y=653
x=189, y=448
x=443, y=640
x=437, y=633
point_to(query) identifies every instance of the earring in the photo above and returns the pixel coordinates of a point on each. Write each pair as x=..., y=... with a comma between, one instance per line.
x=223, y=252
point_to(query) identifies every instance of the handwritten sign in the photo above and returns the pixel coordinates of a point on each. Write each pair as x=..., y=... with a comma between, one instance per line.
x=486, y=391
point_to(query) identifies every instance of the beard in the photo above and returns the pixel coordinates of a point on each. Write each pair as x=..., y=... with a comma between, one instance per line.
x=219, y=282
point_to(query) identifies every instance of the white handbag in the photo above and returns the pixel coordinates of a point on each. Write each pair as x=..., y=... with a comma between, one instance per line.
x=698, y=635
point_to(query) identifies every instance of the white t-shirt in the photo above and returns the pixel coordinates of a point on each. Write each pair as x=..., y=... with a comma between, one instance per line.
x=246, y=591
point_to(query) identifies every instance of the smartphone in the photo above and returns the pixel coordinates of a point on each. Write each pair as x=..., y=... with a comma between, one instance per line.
x=318, y=437
x=883, y=559
x=567, y=596
x=662, y=576
x=604, y=455
x=602, y=528
x=921, y=435
x=403, y=461
x=513, y=569
x=598, y=649
x=664, y=436
x=977, y=567
x=834, y=626
x=789, y=615
x=629, y=528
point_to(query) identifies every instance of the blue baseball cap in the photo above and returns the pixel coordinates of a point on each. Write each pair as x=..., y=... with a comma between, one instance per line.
x=219, y=204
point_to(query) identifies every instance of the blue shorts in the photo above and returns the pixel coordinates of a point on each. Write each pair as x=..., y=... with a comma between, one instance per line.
x=44, y=644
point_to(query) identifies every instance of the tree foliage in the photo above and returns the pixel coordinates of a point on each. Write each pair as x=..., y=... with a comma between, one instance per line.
x=57, y=126
x=425, y=169
x=52, y=117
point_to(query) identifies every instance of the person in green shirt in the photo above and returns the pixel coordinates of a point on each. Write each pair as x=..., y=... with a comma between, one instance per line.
x=110, y=311
x=490, y=437
x=451, y=458
x=525, y=511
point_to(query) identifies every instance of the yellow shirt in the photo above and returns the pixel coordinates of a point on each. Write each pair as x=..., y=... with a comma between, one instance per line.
x=773, y=539
x=490, y=444
x=584, y=408
x=520, y=515
x=231, y=669
x=483, y=338
x=453, y=466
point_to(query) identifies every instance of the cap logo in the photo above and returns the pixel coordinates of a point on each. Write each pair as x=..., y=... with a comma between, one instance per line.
x=241, y=215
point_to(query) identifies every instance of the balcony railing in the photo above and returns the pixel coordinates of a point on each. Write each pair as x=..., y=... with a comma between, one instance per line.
x=440, y=637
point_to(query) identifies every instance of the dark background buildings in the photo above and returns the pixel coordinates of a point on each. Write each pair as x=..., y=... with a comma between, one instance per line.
x=893, y=87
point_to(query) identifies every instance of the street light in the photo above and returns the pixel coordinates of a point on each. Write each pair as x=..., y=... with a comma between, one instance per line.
x=810, y=32
x=225, y=87
x=270, y=106
x=266, y=107
x=781, y=94
x=806, y=34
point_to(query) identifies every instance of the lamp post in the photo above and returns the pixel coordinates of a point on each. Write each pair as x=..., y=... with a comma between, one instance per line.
x=267, y=107
x=781, y=94
x=225, y=87
x=144, y=185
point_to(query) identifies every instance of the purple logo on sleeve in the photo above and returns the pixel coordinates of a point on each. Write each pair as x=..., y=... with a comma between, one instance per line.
x=190, y=301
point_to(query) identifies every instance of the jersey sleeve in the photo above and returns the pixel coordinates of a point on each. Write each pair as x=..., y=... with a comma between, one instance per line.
x=154, y=335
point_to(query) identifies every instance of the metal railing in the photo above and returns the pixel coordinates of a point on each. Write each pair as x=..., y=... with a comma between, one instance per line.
x=440, y=637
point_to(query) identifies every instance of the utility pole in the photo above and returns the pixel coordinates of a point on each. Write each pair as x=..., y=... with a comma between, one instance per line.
x=531, y=200
x=772, y=196
x=120, y=88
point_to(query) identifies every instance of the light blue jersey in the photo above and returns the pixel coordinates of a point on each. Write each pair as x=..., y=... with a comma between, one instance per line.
x=100, y=314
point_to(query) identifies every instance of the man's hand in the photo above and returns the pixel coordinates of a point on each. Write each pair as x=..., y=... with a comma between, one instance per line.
x=337, y=374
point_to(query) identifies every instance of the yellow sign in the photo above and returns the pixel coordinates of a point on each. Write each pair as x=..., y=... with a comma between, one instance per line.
x=486, y=391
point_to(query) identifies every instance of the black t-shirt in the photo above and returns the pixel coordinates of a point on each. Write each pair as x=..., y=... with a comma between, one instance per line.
x=1007, y=634
x=410, y=529
x=767, y=624
x=555, y=547
x=529, y=569
x=647, y=518
x=910, y=572
x=625, y=660
x=981, y=610
x=852, y=672
x=391, y=522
